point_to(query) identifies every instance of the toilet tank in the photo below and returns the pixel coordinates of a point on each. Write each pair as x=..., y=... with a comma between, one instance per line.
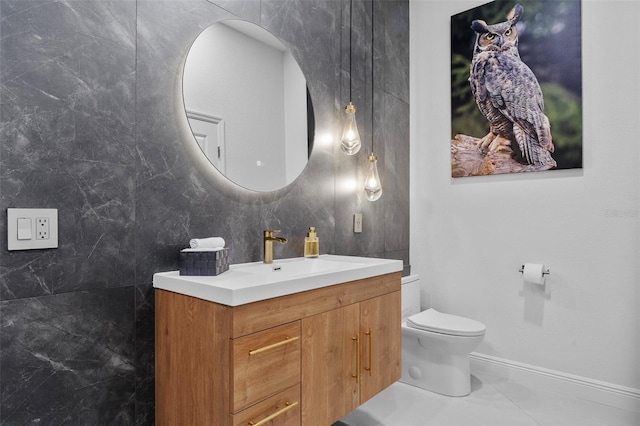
x=410, y=295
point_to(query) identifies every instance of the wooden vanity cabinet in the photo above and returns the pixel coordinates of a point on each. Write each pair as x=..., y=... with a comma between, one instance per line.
x=307, y=358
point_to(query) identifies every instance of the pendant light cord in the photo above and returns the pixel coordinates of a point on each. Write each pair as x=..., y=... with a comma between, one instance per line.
x=372, y=89
x=350, y=48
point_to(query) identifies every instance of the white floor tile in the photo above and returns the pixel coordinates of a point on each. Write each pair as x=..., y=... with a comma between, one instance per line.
x=493, y=401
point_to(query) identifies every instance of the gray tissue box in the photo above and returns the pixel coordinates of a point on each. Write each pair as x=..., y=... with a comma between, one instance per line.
x=204, y=262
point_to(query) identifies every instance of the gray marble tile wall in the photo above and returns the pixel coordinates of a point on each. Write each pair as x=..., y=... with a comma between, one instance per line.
x=88, y=125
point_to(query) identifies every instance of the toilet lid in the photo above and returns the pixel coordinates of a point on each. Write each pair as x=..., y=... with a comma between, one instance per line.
x=432, y=320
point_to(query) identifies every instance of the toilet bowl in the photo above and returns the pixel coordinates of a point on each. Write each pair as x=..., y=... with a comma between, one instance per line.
x=435, y=345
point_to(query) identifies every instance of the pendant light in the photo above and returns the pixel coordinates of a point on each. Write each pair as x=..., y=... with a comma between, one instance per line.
x=350, y=137
x=372, y=186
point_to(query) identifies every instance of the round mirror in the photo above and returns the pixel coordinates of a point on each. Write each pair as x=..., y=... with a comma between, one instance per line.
x=248, y=105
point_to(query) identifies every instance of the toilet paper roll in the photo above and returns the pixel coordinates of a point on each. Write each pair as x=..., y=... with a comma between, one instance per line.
x=533, y=273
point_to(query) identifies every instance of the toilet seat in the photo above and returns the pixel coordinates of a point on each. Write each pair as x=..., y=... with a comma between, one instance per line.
x=437, y=322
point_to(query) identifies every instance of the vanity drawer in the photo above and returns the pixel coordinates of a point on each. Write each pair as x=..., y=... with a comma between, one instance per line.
x=282, y=409
x=263, y=364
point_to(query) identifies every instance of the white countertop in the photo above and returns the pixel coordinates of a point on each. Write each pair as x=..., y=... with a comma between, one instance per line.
x=250, y=282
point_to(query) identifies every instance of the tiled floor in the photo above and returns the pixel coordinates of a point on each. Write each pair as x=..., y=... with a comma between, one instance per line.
x=494, y=401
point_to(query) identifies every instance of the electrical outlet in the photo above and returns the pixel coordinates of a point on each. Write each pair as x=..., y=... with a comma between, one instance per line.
x=29, y=229
x=357, y=223
x=42, y=228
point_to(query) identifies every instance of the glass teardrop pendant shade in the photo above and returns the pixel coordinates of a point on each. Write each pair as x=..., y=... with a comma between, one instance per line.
x=350, y=137
x=372, y=186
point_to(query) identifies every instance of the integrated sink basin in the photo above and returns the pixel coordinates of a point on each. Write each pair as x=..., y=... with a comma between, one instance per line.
x=251, y=282
x=285, y=268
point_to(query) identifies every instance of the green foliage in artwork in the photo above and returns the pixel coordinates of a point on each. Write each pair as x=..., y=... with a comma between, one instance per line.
x=565, y=115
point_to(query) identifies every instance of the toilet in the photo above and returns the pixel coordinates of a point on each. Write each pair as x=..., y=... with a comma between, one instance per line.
x=435, y=345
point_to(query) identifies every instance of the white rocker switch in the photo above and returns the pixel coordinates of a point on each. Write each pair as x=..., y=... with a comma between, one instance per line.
x=24, y=228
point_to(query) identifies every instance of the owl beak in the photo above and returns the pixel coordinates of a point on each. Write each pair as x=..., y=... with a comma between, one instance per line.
x=500, y=41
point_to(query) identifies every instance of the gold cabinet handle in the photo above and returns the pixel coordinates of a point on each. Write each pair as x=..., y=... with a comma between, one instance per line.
x=275, y=345
x=356, y=339
x=370, y=367
x=288, y=406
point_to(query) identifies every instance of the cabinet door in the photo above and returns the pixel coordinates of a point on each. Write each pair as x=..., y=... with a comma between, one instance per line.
x=380, y=338
x=329, y=351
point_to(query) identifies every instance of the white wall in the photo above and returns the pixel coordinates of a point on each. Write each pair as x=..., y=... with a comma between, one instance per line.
x=470, y=235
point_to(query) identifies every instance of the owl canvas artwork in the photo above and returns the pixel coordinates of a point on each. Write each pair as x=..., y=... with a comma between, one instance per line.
x=516, y=88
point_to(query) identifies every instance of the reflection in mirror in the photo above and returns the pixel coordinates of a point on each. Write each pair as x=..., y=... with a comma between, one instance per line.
x=247, y=102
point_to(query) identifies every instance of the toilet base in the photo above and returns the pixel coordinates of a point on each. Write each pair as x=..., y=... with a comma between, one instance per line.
x=435, y=371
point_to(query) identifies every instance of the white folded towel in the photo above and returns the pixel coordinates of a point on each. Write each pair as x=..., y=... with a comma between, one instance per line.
x=211, y=242
x=203, y=249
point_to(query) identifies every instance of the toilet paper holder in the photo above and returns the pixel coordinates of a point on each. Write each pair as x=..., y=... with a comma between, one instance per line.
x=545, y=272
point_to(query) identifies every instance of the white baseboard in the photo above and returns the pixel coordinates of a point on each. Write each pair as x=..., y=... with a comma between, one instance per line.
x=541, y=378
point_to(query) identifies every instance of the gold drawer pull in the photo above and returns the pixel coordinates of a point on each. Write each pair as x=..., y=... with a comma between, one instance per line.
x=275, y=345
x=370, y=367
x=289, y=406
x=356, y=339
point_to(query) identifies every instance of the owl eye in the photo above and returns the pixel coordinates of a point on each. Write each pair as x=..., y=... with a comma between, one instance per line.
x=490, y=36
x=508, y=32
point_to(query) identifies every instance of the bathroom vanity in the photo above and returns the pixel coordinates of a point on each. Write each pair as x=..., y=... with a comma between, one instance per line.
x=303, y=357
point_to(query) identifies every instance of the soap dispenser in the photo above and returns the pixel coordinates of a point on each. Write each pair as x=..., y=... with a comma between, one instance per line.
x=311, y=243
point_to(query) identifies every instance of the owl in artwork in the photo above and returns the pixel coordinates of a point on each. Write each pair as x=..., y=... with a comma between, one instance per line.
x=508, y=94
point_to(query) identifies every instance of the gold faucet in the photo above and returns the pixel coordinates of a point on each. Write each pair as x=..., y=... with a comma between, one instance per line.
x=267, y=241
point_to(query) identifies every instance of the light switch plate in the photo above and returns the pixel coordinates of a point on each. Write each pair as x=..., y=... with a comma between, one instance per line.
x=20, y=238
